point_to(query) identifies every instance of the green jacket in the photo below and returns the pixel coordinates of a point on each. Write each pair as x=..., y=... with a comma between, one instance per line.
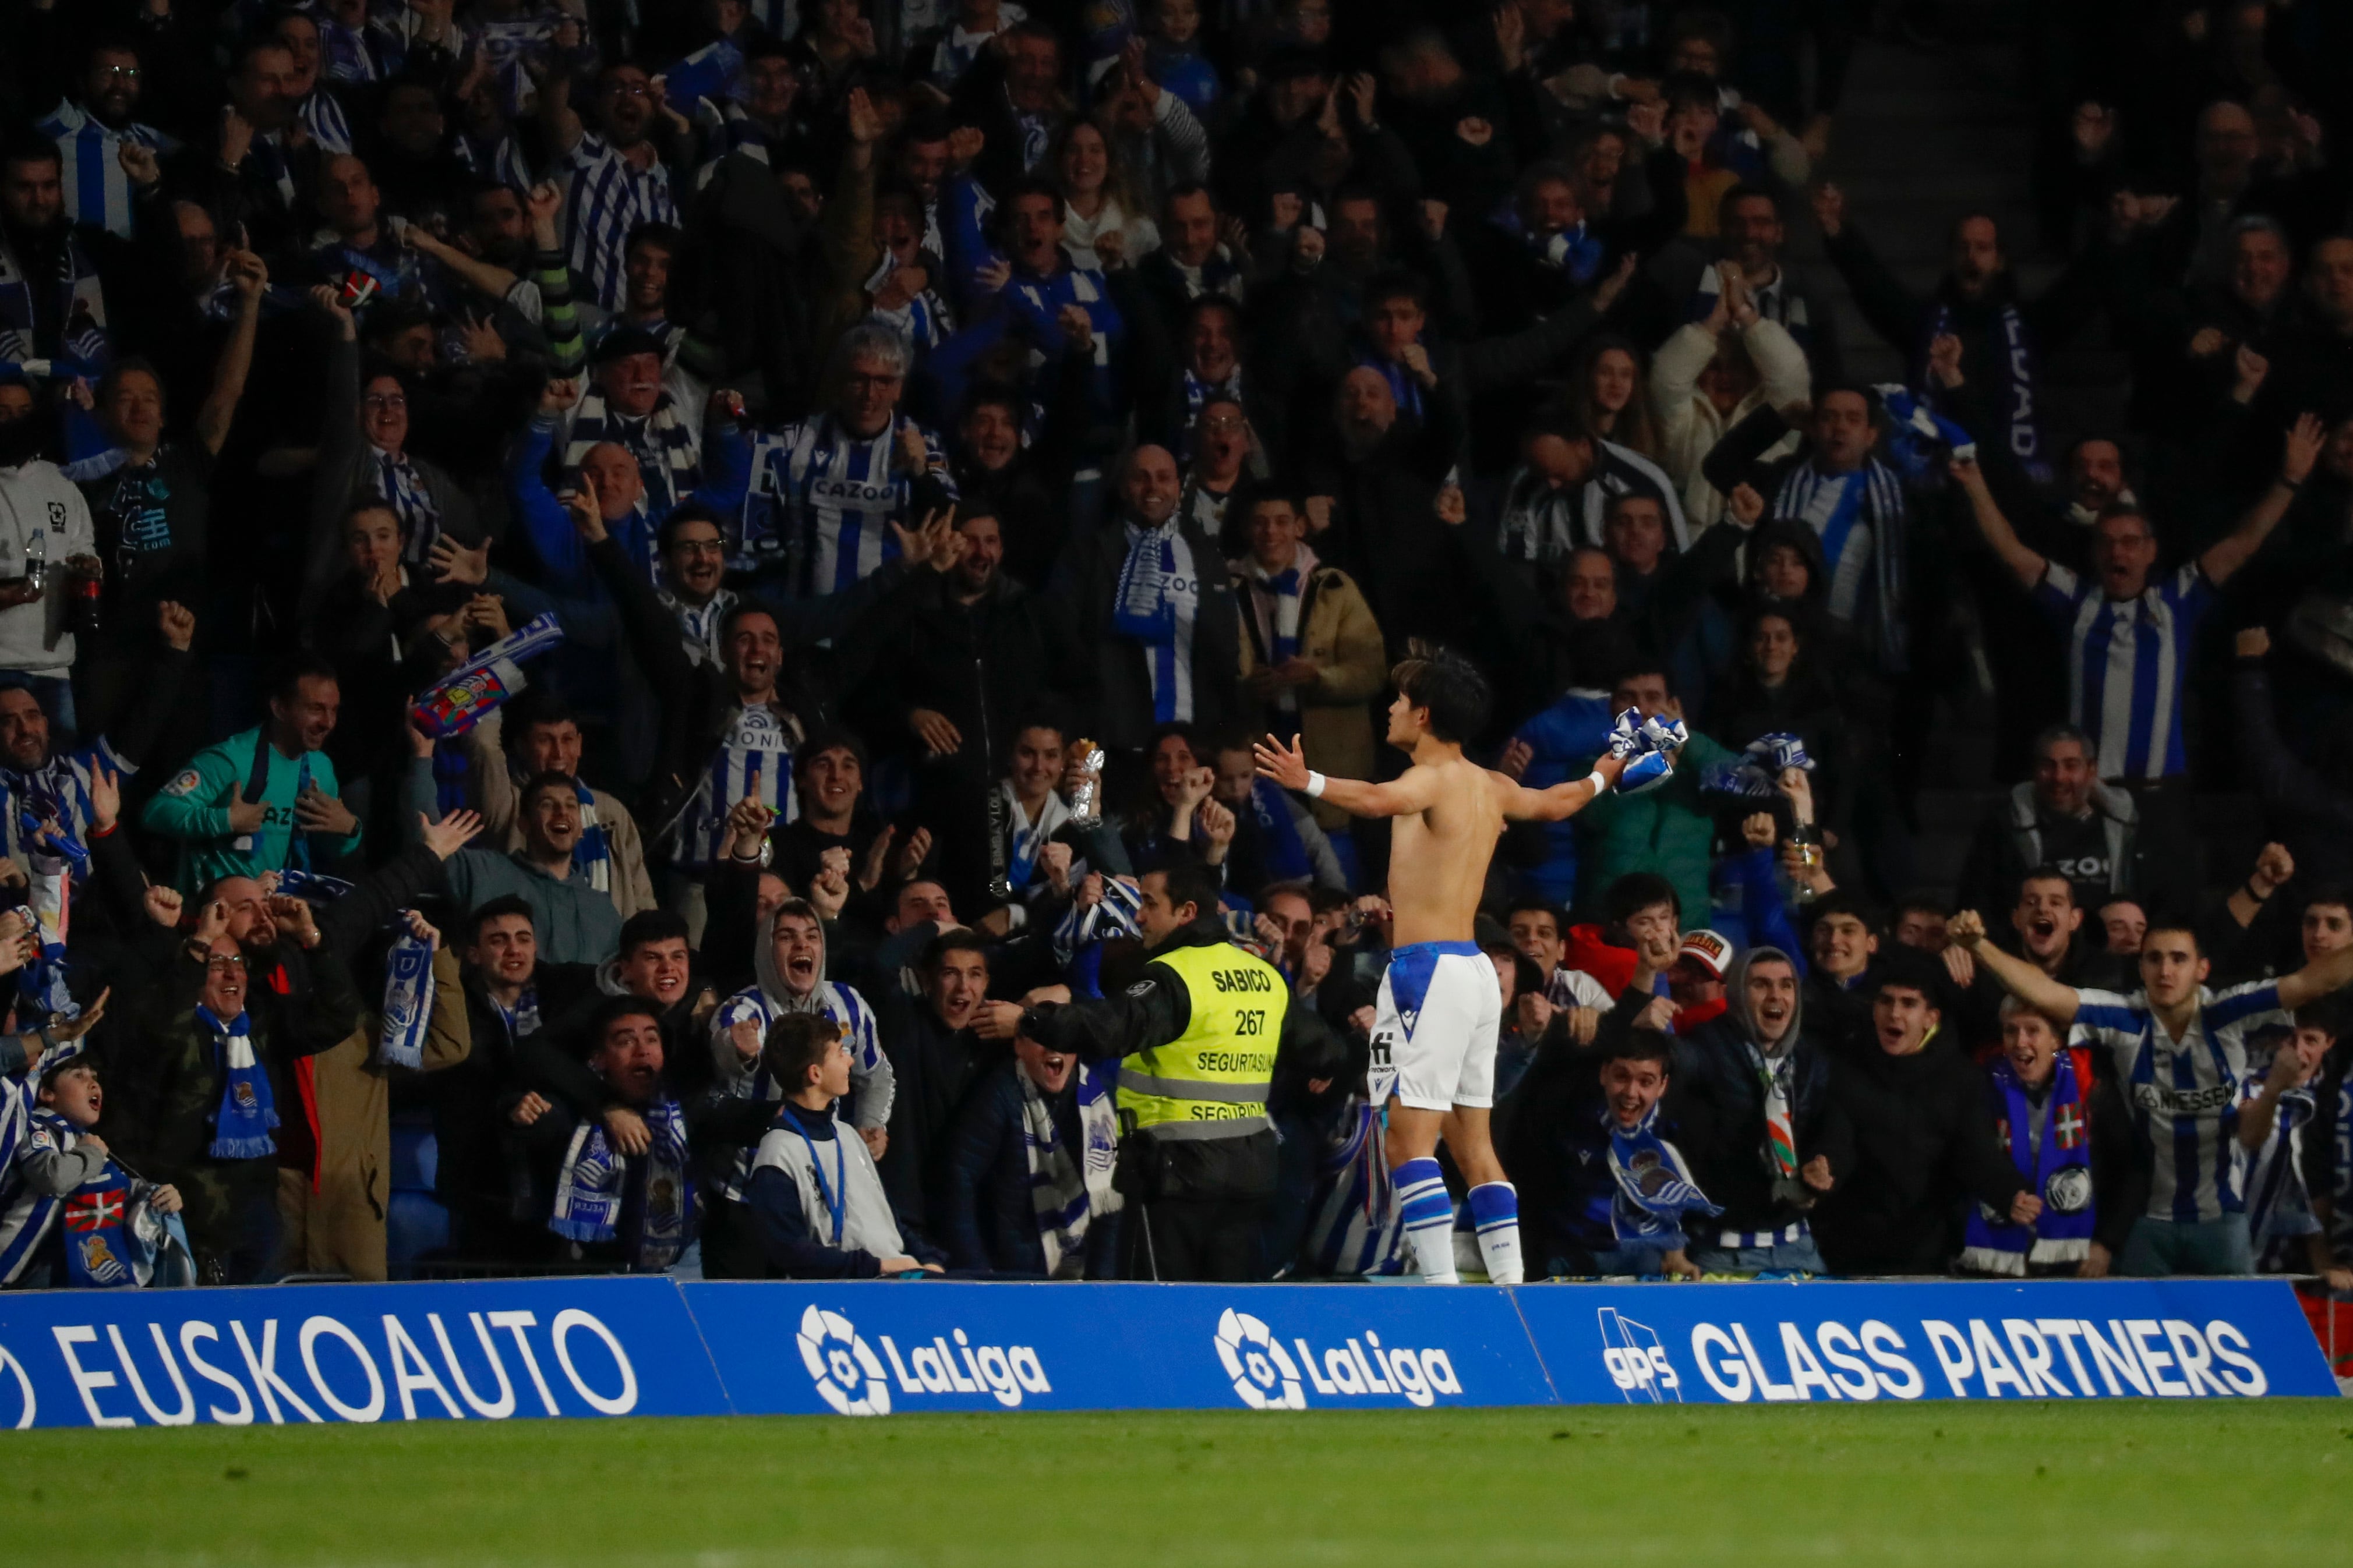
x=574, y=922
x=1668, y=830
x=194, y=809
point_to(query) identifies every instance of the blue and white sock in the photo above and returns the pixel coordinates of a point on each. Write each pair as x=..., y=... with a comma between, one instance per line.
x=1496, y=1210
x=1429, y=1217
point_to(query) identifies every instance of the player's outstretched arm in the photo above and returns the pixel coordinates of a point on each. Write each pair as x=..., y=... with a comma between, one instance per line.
x=1522, y=804
x=1415, y=790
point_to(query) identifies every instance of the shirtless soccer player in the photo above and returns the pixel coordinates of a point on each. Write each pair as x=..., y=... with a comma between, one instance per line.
x=1434, y=1041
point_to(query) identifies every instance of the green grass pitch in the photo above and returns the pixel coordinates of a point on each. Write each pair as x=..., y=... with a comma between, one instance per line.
x=2016, y=1485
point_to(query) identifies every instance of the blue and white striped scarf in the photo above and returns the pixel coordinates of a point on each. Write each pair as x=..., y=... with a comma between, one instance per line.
x=593, y=856
x=1834, y=506
x=1158, y=599
x=665, y=444
x=408, y=1003
x=1069, y=1188
x=589, y=1189
x=401, y=487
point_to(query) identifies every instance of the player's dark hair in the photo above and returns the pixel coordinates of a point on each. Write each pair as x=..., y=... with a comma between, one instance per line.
x=2333, y=894
x=2172, y=921
x=1448, y=684
x=295, y=670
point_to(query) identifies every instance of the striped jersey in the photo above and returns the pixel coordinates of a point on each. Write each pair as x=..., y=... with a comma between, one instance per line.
x=753, y=758
x=823, y=499
x=2126, y=662
x=2184, y=1093
x=97, y=191
x=607, y=195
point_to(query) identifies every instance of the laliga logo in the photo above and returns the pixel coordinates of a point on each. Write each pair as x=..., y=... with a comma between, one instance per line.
x=847, y=1374
x=1264, y=1375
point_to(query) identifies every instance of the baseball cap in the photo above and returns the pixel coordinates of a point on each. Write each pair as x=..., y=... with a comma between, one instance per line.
x=1708, y=950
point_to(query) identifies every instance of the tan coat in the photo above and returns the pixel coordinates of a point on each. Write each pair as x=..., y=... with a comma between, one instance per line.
x=491, y=784
x=338, y=1228
x=1337, y=631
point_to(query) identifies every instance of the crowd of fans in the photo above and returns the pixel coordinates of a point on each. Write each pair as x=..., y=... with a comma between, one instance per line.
x=556, y=557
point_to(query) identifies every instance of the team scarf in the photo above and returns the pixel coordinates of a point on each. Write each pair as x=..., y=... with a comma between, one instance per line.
x=663, y=443
x=408, y=1003
x=1159, y=597
x=1196, y=393
x=1915, y=431
x=2016, y=377
x=114, y=1240
x=589, y=1189
x=401, y=487
x=81, y=308
x=1275, y=602
x=1403, y=387
x=1069, y=1188
x=925, y=322
x=2060, y=1162
x=41, y=989
x=486, y=682
x=1028, y=838
x=1539, y=522
x=1082, y=932
x=1654, y=1187
x=593, y=856
x=1777, y=1078
x=53, y=797
x=1834, y=506
x=241, y=1126
x=699, y=625
x=1578, y=251
x=1357, y=1226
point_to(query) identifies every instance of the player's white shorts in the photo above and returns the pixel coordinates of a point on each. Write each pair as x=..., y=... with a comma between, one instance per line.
x=1434, y=1030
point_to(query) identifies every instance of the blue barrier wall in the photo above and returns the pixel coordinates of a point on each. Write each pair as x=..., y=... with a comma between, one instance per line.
x=537, y=1349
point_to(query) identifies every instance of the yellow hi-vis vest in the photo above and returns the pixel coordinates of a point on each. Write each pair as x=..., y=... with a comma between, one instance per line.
x=1211, y=1080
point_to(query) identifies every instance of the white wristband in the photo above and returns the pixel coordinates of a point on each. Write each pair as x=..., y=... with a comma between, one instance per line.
x=1315, y=782
x=1600, y=786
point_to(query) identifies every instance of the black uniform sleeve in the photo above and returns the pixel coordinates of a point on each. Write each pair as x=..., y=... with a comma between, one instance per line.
x=1152, y=1012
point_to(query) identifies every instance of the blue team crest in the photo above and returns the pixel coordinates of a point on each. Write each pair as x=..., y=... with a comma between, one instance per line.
x=243, y=1090
x=1650, y=1174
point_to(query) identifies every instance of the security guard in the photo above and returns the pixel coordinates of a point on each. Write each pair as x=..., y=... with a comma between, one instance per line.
x=1197, y=1038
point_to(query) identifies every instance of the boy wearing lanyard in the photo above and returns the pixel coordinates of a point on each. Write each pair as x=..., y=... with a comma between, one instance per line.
x=817, y=1201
